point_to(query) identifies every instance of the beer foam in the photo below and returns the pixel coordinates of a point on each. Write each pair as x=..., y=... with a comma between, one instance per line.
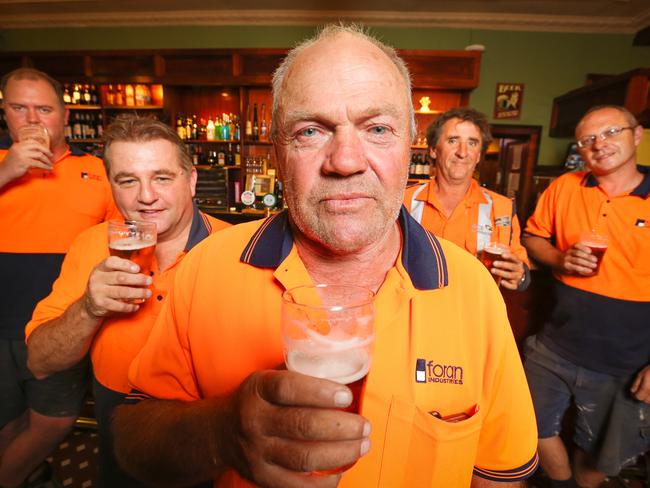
x=497, y=250
x=344, y=367
x=129, y=244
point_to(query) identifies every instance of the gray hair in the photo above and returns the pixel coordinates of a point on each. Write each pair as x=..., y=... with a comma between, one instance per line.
x=328, y=32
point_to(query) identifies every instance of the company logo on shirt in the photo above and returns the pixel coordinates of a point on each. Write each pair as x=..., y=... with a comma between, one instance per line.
x=90, y=176
x=434, y=372
x=642, y=223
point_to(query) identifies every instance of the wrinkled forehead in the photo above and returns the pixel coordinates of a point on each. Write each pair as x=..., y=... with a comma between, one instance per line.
x=341, y=60
x=458, y=126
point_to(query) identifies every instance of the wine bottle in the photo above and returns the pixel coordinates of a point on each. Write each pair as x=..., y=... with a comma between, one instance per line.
x=256, y=127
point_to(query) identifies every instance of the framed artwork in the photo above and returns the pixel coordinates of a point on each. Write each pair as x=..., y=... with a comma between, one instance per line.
x=508, y=100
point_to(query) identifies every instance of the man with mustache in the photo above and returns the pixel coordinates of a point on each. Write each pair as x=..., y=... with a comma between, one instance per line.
x=214, y=404
x=454, y=206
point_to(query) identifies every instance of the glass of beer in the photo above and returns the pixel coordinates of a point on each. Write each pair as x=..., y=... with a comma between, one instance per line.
x=35, y=132
x=328, y=332
x=135, y=241
x=597, y=244
x=491, y=253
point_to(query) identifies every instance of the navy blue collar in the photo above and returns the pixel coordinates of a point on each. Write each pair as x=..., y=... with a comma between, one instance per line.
x=643, y=190
x=422, y=255
x=199, y=230
x=6, y=142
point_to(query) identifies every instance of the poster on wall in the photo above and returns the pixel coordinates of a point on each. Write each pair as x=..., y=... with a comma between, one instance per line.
x=509, y=97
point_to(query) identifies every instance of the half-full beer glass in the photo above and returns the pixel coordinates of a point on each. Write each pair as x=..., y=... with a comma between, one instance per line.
x=135, y=241
x=328, y=332
x=491, y=253
x=597, y=244
x=35, y=132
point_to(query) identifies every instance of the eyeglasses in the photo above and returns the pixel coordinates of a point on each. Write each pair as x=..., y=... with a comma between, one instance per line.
x=589, y=141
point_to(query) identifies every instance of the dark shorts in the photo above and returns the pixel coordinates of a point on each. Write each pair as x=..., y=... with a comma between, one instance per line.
x=59, y=395
x=610, y=425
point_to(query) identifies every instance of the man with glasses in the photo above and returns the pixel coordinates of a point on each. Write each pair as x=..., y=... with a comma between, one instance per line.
x=594, y=350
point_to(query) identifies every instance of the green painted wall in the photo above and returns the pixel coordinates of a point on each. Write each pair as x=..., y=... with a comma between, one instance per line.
x=549, y=64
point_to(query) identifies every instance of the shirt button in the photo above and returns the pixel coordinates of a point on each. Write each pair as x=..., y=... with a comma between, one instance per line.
x=150, y=273
x=159, y=297
x=604, y=215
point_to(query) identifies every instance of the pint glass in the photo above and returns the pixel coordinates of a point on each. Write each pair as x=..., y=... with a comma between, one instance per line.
x=597, y=244
x=35, y=132
x=328, y=332
x=491, y=253
x=135, y=241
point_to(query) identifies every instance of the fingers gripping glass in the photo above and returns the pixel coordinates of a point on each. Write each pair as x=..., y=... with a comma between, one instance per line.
x=589, y=141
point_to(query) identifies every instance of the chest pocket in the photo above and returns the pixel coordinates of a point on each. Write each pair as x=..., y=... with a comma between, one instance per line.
x=423, y=451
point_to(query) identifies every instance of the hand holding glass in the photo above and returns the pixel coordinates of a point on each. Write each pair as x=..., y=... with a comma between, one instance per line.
x=328, y=332
x=135, y=241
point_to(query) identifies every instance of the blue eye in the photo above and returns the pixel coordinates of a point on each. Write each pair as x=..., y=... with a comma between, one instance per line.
x=379, y=130
x=308, y=132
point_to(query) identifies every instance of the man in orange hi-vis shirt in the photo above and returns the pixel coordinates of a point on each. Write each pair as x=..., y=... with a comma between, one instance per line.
x=50, y=191
x=445, y=402
x=91, y=309
x=594, y=349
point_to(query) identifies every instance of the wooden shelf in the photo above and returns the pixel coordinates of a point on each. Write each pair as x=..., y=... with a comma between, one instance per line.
x=216, y=141
x=133, y=107
x=72, y=106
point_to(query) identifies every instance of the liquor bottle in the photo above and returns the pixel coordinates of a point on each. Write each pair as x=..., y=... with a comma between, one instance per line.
x=231, y=127
x=180, y=126
x=139, y=95
x=110, y=96
x=76, y=95
x=86, y=95
x=188, y=128
x=67, y=99
x=130, y=95
x=195, y=128
x=221, y=157
x=119, y=95
x=100, y=125
x=264, y=135
x=256, y=127
x=94, y=96
x=76, y=127
x=237, y=155
x=203, y=130
x=92, y=127
x=67, y=131
x=237, y=128
x=225, y=128
x=212, y=158
x=217, y=128
x=248, y=132
x=230, y=157
x=209, y=130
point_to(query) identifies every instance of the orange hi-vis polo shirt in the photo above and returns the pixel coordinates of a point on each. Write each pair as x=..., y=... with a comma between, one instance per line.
x=40, y=215
x=121, y=336
x=600, y=321
x=443, y=344
x=463, y=225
